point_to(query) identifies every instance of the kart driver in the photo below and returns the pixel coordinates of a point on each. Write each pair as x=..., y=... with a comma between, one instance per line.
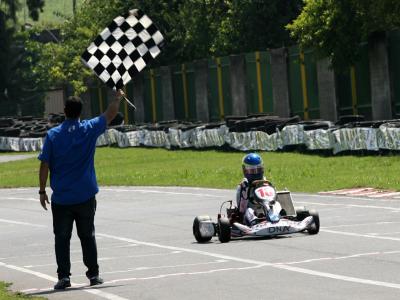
x=253, y=169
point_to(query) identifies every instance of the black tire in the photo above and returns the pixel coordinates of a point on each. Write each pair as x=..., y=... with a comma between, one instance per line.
x=314, y=229
x=301, y=213
x=25, y=118
x=350, y=118
x=6, y=122
x=12, y=132
x=37, y=134
x=118, y=120
x=196, y=229
x=224, y=230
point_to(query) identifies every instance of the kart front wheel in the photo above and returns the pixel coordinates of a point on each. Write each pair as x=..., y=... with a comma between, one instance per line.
x=196, y=229
x=314, y=228
x=224, y=230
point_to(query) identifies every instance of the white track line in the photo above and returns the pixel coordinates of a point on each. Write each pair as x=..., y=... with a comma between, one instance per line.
x=222, y=256
x=338, y=257
x=361, y=235
x=351, y=205
x=385, y=233
x=358, y=224
x=183, y=274
x=72, y=251
x=19, y=199
x=160, y=276
x=344, y=198
x=345, y=191
x=339, y=277
x=219, y=261
x=22, y=223
x=107, y=258
x=165, y=192
x=258, y=264
x=96, y=292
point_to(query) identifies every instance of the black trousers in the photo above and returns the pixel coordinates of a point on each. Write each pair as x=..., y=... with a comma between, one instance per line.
x=63, y=219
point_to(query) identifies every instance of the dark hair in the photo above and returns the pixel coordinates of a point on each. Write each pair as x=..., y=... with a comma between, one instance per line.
x=73, y=107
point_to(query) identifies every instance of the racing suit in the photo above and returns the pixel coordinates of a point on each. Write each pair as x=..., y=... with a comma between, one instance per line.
x=246, y=208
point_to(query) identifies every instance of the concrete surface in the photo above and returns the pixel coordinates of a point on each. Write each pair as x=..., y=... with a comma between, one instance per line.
x=147, y=250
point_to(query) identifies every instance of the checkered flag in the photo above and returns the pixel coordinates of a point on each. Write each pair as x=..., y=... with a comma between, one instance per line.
x=123, y=48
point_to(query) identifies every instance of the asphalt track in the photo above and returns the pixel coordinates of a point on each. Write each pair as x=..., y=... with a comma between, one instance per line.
x=147, y=250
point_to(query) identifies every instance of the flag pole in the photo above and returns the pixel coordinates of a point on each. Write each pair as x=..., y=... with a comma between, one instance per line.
x=129, y=102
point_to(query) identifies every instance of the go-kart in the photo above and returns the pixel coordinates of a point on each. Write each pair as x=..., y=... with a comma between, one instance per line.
x=274, y=211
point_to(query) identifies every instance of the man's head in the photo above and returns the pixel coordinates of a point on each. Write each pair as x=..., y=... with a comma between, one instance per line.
x=73, y=107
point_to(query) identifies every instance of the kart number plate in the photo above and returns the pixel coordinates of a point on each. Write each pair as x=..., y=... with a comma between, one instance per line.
x=265, y=192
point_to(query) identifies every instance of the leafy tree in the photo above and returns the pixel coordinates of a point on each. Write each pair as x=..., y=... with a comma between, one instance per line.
x=336, y=28
x=250, y=25
x=193, y=29
x=16, y=85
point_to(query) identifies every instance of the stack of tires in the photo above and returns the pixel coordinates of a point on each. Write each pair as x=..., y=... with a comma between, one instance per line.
x=28, y=126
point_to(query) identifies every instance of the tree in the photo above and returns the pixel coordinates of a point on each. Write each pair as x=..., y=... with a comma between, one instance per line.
x=336, y=28
x=15, y=81
x=192, y=29
x=250, y=25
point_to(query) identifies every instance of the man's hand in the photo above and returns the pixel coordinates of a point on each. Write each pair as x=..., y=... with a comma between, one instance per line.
x=43, y=200
x=43, y=174
x=244, y=184
x=119, y=94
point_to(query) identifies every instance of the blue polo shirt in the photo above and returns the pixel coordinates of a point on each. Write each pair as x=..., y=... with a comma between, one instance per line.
x=69, y=151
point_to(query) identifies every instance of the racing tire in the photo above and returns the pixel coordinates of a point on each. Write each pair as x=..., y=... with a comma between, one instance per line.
x=196, y=229
x=301, y=213
x=314, y=229
x=224, y=230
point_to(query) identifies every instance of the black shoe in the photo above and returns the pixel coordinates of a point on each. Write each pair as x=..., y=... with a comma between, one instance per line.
x=95, y=280
x=62, y=284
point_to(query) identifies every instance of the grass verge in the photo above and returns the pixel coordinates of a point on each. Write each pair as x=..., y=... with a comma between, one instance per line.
x=217, y=169
x=5, y=294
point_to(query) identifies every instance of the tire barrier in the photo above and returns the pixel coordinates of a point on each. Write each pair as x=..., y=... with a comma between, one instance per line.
x=28, y=126
x=252, y=133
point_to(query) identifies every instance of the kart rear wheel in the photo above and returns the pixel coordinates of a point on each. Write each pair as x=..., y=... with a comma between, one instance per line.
x=301, y=213
x=196, y=229
x=224, y=230
x=314, y=228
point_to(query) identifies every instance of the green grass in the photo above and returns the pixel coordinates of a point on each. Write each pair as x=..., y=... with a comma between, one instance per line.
x=217, y=169
x=5, y=294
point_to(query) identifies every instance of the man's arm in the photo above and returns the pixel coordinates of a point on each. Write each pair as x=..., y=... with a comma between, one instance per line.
x=43, y=175
x=113, y=107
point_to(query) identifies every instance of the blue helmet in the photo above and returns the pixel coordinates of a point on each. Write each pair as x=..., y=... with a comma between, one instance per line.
x=253, y=167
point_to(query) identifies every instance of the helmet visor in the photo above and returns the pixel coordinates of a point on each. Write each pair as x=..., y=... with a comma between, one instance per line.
x=253, y=170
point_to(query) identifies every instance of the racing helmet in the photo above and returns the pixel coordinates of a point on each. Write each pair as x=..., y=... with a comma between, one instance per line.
x=253, y=167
